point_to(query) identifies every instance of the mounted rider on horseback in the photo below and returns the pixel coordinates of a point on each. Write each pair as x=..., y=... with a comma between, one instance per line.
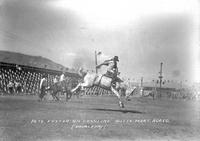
x=61, y=85
x=108, y=81
x=112, y=71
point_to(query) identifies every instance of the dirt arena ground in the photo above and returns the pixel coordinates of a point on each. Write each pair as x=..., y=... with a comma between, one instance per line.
x=23, y=118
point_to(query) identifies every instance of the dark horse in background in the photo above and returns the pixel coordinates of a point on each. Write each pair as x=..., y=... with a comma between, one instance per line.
x=64, y=87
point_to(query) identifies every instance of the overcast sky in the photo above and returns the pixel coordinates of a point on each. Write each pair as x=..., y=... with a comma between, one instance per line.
x=142, y=33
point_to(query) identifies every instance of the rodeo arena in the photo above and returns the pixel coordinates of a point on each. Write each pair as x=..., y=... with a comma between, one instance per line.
x=67, y=106
x=25, y=80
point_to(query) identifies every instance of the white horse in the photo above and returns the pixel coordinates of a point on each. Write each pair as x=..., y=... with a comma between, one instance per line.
x=91, y=79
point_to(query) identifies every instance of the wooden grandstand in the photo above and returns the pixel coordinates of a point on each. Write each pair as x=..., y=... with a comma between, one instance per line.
x=28, y=76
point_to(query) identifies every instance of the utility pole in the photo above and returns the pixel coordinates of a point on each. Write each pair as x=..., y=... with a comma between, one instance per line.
x=141, y=85
x=96, y=63
x=160, y=77
x=95, y=53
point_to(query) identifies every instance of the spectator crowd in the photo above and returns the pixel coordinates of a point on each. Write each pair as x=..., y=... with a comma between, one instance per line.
x=15, y=79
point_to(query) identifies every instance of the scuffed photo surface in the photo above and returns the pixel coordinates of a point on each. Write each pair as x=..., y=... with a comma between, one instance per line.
x=158, y=66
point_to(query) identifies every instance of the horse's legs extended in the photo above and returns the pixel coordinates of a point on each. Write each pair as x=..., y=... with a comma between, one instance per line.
x=130, y=93
x=121, y=104
x=76, y=88
x=80, y=85
x=68, y=94
x=54, y=95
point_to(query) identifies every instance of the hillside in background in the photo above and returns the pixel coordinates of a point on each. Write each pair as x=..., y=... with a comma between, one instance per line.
x=34, y=61
x=41, y=62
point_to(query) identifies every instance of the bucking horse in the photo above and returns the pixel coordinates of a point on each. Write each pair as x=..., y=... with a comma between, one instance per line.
x=91, y=79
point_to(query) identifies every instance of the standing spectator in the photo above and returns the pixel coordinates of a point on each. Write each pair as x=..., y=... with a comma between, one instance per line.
x=1, y=85
x=18, y=87
x=62, y=76
x=62, y=82
x=10, y=87
x=43, y=85
x=55, y=80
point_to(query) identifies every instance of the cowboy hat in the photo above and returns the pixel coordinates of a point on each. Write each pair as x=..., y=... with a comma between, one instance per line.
x=116, y=58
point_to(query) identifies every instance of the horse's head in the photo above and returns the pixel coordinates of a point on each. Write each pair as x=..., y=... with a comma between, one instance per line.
x=81, y=72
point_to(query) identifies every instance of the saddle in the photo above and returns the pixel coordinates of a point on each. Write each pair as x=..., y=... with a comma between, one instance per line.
x=109, y=74
x=113, y=76
x=106, y=80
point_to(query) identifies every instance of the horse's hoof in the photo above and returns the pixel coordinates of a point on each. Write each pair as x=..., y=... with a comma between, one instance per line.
x=128, y=99
x=121, y=104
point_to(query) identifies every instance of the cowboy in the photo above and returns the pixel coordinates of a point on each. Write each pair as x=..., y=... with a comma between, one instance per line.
x=43, y=85
x=112, y=70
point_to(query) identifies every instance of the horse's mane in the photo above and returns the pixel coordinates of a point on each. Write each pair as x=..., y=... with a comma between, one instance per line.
x=82, y=72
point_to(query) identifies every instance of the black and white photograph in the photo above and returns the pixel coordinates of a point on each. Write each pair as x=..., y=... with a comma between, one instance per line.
x=103, y=70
